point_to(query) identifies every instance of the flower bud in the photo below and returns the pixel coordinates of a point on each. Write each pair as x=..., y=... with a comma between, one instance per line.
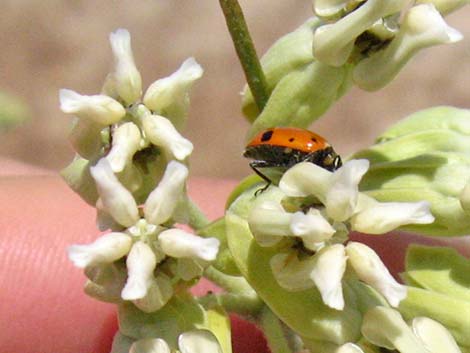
x=169, y=96
x=78, y=178
x=349, y=348
x=125, y=142
x=178, y=243
x=333, y=43
x=445, y=6
x=161, y=132
x=141, y=263
x=116, y=199
x=435, y=337
x=158, y=294
x=85, y=137
x=99, y=109
x=108, y=248
x=163, y=200
x=198, y=341
x=422, y=27
x=150, y=345
x=127, y=80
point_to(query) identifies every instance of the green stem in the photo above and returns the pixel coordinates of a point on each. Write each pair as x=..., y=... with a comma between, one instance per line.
x=232, y=284
x=273, y=332
x=246, y=51
x=245, y=305
x=197, y=219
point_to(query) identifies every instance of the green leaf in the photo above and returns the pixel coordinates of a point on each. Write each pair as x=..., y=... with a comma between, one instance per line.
x=440, y=269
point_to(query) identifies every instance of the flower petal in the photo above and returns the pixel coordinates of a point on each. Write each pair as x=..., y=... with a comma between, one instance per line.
x=169, y=96
x=327, y=274
x=178, y=243
x=107, y=248
x=116, y=199
x=150, y=345
x=158, y=294
x=349, y=348
x=128, y=82
x=371, y=270
x=312, y=227
x=141, y=263
x=380, y=218
x=436, y=337
x=341, y=198
x=99, y=108
x=305, y=179
x=125, y=142
x=198, y=341
x=161, y=132
x=162, y=201
x=269, y=222
x=291, y=273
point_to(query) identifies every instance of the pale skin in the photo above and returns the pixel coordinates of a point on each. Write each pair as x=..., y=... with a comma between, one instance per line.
x=42, y=304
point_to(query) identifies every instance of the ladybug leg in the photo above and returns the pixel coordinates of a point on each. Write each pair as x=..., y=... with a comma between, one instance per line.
x=261, y=164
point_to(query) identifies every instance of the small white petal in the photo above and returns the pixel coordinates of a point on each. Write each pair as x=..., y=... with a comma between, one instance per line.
x=178, y=243
x=305, y=179
x=312, y=227
x=107, y=248
x=158, y=294
x=292, y=274
x=169, y=96
x=125, y=142
x=198, y=341
x=162, y=201
x=128, y=82
x=380, y=218
x=341, y=198
x=327, y=274
x=371, y=270
x=150, y=345
x=436, y=337
x=349, y=348
x=141, y=263
x=269, y=222
x=116, y=199
x=99, y=109
x=161, y=132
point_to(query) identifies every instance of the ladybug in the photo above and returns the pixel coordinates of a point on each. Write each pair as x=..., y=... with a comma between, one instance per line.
x=283, y=147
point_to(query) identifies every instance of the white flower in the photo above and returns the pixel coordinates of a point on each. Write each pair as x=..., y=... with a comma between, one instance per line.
x=125, y=143
x=108, y=248
x=349, y=348
x=161, y=132
x=169, y=96
x=422, y=27
x=333, y=43
x=384, y=327
x=99, y=108
x=311, y=227
x=371, y=270
x=195, y=341
x=126, y=77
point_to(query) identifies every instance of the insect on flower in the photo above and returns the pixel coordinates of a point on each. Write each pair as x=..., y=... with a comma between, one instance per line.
x=283, y=147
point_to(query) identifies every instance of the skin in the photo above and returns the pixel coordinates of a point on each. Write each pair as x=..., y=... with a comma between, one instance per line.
x=42, y=305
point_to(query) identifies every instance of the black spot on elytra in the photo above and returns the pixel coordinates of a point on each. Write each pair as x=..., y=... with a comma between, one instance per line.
x=291, y=139
x=314, y=139
x=266, y=136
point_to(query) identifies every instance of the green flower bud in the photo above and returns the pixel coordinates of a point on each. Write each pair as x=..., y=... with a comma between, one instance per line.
x=85, y=137
x=77, y=176
x=425, y=157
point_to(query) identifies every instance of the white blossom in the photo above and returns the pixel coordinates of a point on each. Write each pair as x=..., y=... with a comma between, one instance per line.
x=99, y=108
x=311, y=227
x=198, y=341
x=349, y=348
x=435, y=337
x=107, y=248
x=126, y=141
x=169, y=96
x=150, y=345
x=126, y=77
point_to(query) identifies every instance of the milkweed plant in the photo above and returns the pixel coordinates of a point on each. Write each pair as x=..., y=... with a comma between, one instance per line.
x=283, y=255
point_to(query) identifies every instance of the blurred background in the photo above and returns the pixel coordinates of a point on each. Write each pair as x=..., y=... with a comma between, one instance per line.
x=52, y=44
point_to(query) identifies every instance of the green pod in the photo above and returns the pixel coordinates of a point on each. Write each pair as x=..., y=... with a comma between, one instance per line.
x=289, y=53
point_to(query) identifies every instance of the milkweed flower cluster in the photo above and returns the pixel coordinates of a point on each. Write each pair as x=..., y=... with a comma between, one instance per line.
x=157, y=255
x=317, y=257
